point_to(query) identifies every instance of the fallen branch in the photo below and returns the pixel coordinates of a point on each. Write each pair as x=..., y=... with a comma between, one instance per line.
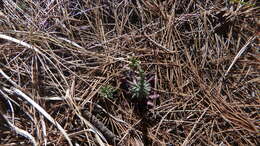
x=109, y=135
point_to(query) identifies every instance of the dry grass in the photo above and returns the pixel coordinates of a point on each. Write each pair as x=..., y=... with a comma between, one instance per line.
x=202, y=56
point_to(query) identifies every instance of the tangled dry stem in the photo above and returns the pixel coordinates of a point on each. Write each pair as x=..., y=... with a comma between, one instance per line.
x=204, y=56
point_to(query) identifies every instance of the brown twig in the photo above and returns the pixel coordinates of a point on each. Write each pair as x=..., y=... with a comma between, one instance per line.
x=108, y=134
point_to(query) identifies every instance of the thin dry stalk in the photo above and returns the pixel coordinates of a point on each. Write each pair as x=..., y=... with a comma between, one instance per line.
x=60, y=54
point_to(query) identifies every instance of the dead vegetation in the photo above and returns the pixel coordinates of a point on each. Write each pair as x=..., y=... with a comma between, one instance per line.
x=122, y=72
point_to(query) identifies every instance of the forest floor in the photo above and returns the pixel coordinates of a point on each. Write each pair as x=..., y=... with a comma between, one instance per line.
x=129, y=72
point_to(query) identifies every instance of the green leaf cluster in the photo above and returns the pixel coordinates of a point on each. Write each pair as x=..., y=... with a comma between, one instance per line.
x=107, y=91
x=141, y=87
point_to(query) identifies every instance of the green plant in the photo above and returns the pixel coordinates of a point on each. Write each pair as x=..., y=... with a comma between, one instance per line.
x=107, y=91
x=135, y=63
x=140, y=87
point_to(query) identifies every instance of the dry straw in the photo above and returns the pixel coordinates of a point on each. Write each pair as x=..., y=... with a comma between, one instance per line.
x=200, y=59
